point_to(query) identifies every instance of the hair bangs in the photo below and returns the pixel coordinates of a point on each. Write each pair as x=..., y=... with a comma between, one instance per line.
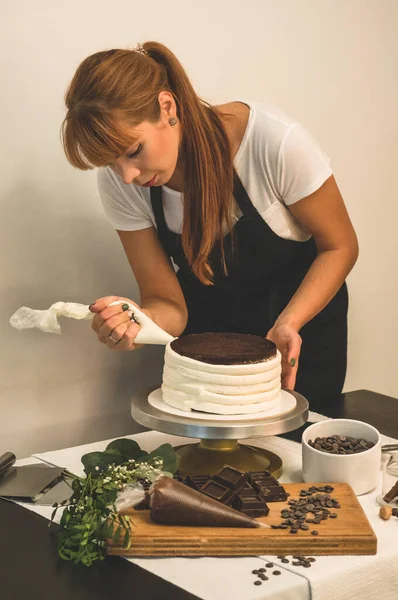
x=93, y=139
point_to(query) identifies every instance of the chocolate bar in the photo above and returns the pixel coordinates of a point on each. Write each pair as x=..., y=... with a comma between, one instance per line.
x=267, y=486
x=216, y=491
x=272, y=493
x=264, y=477
x=246, y=492
x=196, y=481
x=256, y=474
x=230, y=477
x=252, y=505
x=391, y=494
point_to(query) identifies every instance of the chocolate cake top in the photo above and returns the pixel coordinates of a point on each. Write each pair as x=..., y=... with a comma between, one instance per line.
x=224, y=348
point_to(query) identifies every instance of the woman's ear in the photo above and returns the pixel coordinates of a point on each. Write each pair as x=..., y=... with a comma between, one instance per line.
x=167, y=105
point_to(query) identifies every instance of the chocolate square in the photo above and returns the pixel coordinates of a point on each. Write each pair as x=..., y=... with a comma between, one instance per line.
x=262, y=478
x=256, y=474
x=256, y=512
x=216, y=490
x=196, y=481
x=246, y=486
x=244, y=502
x=275, y=493
x=230, y=477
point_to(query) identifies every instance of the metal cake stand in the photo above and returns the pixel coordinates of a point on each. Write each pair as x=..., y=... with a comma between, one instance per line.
x=219, y=439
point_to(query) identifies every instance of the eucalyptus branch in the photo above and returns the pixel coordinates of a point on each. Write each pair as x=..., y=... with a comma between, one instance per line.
x=90, y=515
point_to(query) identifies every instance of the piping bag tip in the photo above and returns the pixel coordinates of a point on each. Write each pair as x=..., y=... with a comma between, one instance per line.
x=263, y=525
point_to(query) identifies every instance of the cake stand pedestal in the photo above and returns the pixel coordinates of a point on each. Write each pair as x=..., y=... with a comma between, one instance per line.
x=219, y=439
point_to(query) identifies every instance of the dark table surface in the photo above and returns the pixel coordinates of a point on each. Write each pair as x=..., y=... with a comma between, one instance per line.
x=29, y=564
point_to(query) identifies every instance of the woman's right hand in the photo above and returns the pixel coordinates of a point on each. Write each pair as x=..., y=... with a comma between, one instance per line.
x=113, y=324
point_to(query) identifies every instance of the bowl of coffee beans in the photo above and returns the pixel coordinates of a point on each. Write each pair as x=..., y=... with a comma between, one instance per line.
x=343, y=451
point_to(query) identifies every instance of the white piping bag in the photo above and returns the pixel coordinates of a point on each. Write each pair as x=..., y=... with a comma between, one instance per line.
x=47, y=320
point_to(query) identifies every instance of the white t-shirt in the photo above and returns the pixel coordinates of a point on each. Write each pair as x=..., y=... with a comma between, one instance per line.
x=278, y=163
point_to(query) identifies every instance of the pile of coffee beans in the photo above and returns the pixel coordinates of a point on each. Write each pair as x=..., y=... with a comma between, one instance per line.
x=299, y=561
x=340, y=444
x=263, y=574
x=311, y=502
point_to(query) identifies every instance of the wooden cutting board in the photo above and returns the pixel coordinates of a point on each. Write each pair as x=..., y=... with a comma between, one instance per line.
x=349, y=533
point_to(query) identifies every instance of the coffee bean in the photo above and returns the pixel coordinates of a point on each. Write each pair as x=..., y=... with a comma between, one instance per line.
x=262, y=570
x=314, y=532
x=285, y=560
x=269, y=565
x=340, y=445
x=276, y=572
x=258, y=582
x=255, y=572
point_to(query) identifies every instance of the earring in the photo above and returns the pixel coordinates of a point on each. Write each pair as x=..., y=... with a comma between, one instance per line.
x=172, y=121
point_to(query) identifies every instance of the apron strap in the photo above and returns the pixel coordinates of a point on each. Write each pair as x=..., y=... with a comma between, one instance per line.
x=243, y=200
x=157, y=207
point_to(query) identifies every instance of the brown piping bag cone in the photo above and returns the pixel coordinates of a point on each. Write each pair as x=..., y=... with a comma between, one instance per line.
x=174, y=503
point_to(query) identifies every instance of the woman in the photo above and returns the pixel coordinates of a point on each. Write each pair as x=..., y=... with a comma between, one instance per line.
x=260, y=236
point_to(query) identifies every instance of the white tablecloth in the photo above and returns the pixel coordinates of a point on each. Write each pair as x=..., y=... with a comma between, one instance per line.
x=329, y=578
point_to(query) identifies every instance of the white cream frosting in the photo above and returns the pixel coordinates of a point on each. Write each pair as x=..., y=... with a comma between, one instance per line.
x=190, y=384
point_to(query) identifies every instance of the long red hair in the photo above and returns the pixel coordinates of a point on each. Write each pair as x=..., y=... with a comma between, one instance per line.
x=115, y=90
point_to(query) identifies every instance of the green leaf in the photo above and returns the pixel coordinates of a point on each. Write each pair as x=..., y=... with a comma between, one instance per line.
x=117, y=533
x=127, y=448
x=101, y=460
x=170, y=458
x=76, y=485
x=126, y=539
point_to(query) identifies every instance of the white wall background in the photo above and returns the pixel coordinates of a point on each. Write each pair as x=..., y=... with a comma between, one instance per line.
x=330, y=63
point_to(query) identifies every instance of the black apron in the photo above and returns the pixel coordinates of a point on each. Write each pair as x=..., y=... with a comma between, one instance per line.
x=264, y=272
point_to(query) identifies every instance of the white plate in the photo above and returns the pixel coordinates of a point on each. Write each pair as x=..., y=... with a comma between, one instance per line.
x=288, y=403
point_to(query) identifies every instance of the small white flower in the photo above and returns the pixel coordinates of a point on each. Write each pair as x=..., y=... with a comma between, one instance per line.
x=97, y=468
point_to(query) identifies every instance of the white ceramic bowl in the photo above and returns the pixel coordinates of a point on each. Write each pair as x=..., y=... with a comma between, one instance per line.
x=361, y=471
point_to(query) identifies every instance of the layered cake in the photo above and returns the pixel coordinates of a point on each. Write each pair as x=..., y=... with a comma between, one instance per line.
x=222, y=373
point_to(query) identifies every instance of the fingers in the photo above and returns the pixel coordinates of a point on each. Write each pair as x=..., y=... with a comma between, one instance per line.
x=122, y=337
x=114, y=314
x=288, y=342
x=290, y=362
x=100, y=304
x=289, y=374
x=115, y=325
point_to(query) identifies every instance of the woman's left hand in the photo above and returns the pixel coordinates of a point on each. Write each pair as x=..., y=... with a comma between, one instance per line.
x=288, y=342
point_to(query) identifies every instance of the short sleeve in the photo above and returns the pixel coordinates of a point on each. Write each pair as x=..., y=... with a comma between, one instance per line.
x=124, y=206
x=302, y=165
